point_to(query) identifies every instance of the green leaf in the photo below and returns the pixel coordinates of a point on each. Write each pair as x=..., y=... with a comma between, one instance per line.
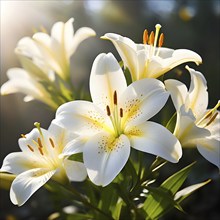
x=117, y=210
x=174, y=182
x=158, y=202
x=161, y=199
x=76, y=157
x=184, y=193
x=78, y=216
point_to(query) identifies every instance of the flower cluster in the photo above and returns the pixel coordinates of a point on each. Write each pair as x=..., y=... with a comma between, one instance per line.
x=116, y=120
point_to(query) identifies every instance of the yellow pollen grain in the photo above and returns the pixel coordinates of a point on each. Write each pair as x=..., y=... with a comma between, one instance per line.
x=135, y=132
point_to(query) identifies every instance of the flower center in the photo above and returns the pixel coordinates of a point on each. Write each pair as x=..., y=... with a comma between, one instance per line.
x=47, y=154
x=115, y=114
x=152, y=41
x=153, y=48
x=209, y=117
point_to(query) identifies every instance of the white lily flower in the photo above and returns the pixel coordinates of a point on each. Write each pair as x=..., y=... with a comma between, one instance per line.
x=117, y=120
x=22, y=81
x=57, y=48
x=148, y=60
x=196, y=125
x=39, y=161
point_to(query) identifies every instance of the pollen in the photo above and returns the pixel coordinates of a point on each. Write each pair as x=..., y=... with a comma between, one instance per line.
x=41, y=151
x=39, y=143
x=23, y=136
x=115, y=98
x=108, y=110
x=145, y=36
x=30, y=148
x=151, y=38
x=212, y=119
x=51, y=142
x=161, y=40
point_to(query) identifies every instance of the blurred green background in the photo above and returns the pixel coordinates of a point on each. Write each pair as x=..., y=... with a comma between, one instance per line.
x=189, y=24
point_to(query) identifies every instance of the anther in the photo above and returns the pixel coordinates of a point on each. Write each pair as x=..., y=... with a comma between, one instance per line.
x=108, y=110
x=208, y=115
x=115, y=98
x=151, y=38
x=30, y=148
x=41, y=151
x=51, y=142
x=212, y=119
x=23, y=136
x=39, y=142
x=145, y=36
x=161, y=40
x=121, y=112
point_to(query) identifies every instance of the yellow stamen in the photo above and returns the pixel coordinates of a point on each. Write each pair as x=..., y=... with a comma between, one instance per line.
x=121, y=112
x=145, y=36
x=23, y=136
x=161, y=40
x=212, y=119
x=51, y=142
x=115, y=98
x=41, y=151
x=30, y=148
x=151, y=38
x=39, y=143
x=108, y=110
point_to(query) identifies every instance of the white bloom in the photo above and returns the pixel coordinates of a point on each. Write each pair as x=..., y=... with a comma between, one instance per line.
x=196, y=125
x=21, y=80
x=117, y=120
x=57, y=48
x=39, y=161
x=149, y=61
x=42, y=58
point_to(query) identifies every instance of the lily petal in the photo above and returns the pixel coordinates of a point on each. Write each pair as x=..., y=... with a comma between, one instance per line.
x=210, y=150
x=50, y=50
x=142, y=100
x=17, y=163
x=127, y=50
x=178, y=92
x=106, y=78
x=75, y=171
x=214, y=128
x=105, y=156
x=80, y=35
x=82, y=117
x=186, y=130
x=63, y=33
x=198, y=94
x=73, y=147
x=155, y=139
x=162, y=63
x=27, y=183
